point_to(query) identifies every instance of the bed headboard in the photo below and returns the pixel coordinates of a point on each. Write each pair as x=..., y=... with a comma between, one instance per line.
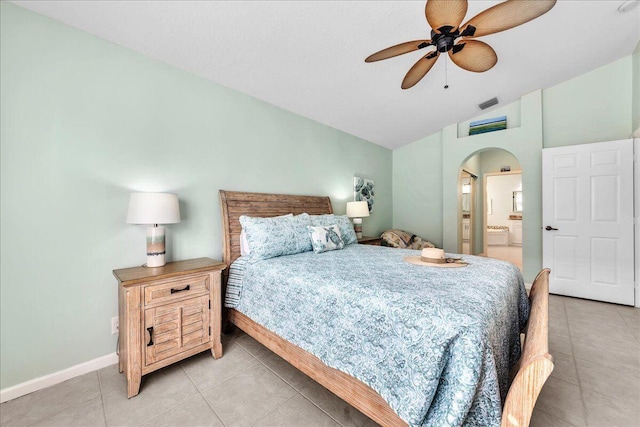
x=235, y=203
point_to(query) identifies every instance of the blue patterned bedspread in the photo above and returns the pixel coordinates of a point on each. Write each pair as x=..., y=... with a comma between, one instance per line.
x=436, y=343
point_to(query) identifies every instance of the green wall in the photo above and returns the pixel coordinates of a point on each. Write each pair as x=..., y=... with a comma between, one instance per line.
x=417, y=189
x=596, y=106
x=593, y=107
x=83, y=123
x=492, y=161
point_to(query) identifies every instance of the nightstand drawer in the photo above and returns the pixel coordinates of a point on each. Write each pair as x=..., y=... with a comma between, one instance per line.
x=176, y=290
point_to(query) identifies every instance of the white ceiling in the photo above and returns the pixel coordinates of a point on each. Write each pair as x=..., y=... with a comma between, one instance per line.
x=308, y=56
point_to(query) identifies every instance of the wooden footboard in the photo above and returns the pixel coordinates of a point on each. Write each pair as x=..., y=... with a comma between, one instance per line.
x=351, y=390
x=536, y=363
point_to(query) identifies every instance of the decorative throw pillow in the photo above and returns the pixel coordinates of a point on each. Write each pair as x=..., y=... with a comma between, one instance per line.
x=342, y=221
x=326, y=238
x=276, y=236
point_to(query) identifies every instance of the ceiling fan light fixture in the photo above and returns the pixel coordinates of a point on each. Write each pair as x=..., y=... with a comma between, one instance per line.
x=488, y=103
x=445, y=17
x=628, y=6
x=445, y=43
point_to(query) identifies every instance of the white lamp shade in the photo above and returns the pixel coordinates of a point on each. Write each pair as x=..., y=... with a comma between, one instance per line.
x=153, y=208
x=357, y=209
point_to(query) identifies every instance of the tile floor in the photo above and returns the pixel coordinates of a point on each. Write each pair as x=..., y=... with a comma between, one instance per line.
x=512, y=254
x=596, y=382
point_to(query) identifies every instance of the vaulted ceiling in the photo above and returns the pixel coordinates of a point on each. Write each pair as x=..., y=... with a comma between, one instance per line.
x=308, y=56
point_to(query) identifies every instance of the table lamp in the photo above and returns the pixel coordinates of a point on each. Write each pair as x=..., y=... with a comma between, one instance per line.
x=154, y=209
x=357, y=211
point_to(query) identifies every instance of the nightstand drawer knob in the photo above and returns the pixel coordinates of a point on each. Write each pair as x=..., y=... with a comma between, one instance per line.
x=150, y=330
x=186, y=288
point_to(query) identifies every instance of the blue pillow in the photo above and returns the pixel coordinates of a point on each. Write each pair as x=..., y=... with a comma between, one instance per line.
x=322, y=220
x=342, y=221
x=272, y=237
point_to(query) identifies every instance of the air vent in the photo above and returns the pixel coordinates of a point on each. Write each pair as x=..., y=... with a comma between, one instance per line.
x=628, y=6
x=490, y=103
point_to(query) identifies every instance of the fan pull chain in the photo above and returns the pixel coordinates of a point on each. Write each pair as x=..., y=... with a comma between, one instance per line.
x=446, y=60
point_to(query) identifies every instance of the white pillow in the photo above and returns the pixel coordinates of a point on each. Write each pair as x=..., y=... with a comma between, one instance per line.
x=244, y=244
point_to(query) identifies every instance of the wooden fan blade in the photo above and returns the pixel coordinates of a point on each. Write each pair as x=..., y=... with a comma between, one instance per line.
x=441, y=13
x=507, y=15
x=398, y=49
x=419, y=70
x=473, y=55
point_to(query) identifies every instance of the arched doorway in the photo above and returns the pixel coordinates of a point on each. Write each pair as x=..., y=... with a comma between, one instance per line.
x=490, y=205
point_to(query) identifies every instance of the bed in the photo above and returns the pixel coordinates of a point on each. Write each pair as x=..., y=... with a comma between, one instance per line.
x=364, y=382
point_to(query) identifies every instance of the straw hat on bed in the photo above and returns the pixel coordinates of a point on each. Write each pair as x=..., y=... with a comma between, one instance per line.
x=435, y=257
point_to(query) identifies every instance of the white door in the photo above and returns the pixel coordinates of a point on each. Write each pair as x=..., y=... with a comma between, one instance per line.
x=587, y=220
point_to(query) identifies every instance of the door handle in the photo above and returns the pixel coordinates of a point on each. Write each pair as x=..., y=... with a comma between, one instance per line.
x=150, y=330
x=549, y=228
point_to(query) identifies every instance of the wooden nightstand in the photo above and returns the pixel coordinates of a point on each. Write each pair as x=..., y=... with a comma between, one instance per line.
x=375, y=241
x=167, y=314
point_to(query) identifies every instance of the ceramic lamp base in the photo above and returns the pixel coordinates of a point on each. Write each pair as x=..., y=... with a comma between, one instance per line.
x=357, y=227
x=155, y=247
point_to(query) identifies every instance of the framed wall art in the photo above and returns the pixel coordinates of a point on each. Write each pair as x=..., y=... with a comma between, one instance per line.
x=363, y=189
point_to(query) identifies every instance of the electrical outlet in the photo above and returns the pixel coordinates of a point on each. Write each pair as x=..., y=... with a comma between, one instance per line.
x=115, y=325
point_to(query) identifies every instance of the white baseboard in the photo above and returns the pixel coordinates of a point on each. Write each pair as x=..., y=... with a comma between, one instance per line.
x=36, y=384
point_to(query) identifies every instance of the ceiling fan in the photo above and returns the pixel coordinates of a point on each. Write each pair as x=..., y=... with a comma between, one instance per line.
x=445, y=17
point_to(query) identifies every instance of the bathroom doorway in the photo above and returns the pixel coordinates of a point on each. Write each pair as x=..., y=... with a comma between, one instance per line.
x=490, y=222
x=503, y=216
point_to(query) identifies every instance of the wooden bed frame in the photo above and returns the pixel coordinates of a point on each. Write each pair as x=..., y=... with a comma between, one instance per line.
x=533, y=372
